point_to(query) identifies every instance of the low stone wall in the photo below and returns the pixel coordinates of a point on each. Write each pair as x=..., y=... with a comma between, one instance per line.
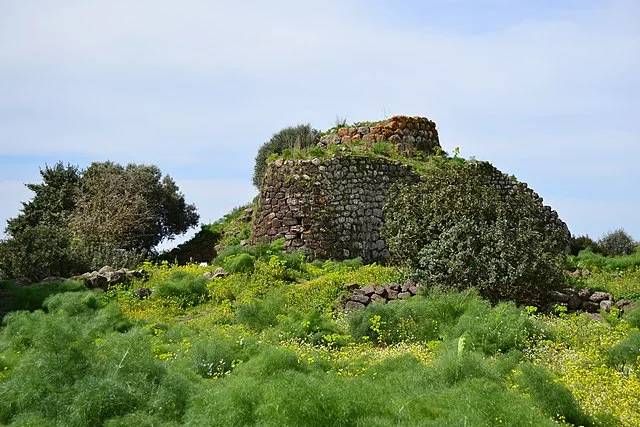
x=409, y=134
x=585, y=299
x=331, y=208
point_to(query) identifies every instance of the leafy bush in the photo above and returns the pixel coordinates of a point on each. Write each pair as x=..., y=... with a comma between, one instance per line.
x=188, y=289
x=300, y=137
x=239, y=263
x=38, y=252
x=577, y=244
x=616, y=243
x=454, y=230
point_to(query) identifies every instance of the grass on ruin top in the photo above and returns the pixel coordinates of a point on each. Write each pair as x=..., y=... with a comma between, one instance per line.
x=420, y=162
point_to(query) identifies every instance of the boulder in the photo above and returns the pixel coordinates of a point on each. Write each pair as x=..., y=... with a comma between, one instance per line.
x=606, y=305
x=600, y=296
x=353, y=306
x=361, y=298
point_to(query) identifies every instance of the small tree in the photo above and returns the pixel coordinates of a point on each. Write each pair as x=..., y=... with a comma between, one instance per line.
x=301, y=136
x=616, y=243
x=130, y=207
x=456, y=231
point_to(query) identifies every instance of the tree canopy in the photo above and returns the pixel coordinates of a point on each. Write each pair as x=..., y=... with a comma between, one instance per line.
x=103, y=208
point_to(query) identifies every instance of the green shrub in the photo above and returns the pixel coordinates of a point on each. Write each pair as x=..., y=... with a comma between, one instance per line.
x=298, y=137
x=626, y=351
x=577, y=244
x=187, y=289
x=240, y=263
x=312, y=327
x=30, y=297
x=38, y=252
x=616, y=243
x=261, y=313
x=454, y=230
x=447, y=316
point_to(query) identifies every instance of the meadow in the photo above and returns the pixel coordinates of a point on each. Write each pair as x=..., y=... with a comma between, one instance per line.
x=269, y=345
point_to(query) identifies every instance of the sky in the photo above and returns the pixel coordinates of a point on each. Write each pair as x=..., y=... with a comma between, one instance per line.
x=545, y=90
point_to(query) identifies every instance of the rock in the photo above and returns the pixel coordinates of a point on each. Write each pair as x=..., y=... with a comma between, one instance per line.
x=353, y=306
x=143, y=293
x=378, y=290
x=585, y=293
x=413, y=289
x=590, y=306
x=352, y=287
x=600, y=296
x=394, y=286
x=368, y=290
x=361, y=298
x=606, y=305
x=403, y=295
x=574, y=302
x=626, y=305
x=105, y=269
x=376, y=297
x=559, y=296
x=391, y=294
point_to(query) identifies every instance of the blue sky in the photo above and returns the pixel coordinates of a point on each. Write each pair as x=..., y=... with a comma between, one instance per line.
x=545, y=90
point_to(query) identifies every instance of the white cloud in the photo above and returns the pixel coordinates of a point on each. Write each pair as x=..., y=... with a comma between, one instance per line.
x=202, y=84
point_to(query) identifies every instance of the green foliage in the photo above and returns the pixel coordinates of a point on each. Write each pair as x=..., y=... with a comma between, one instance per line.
x=53, y=201
x=384, y=148
x=616, y=243
x=592, y=260
x=185, y=288
x=31, y=297
x=132, y=207
x=580, y=243
x=200, y=248
x=298, y=137
x=262, y=313
x=80, y=220
x=38, y=252
x=239, y=263
x=454, y=230
x=447, y=316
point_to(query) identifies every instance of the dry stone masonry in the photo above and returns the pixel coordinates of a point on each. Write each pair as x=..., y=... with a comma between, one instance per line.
x=409, y=134
x=332, y=207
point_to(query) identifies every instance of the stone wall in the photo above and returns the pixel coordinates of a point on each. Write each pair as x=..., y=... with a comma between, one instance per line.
x=410, y=134
x=331, y=208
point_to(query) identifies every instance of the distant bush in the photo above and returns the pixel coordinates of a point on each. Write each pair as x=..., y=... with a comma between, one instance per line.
x=589, y=259
x=456, y=231
x=579, y=243
x=616, y=243
x=187, y=289
x=300, y=137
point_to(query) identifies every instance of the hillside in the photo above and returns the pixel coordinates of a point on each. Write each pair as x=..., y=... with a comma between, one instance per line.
x=408, y=287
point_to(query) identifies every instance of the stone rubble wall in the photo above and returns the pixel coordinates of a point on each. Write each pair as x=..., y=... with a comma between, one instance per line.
x=585, y=299
x=331, y=208
x=409, y=134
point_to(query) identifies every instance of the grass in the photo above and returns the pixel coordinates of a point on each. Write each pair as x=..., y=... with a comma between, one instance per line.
x=267, y=346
